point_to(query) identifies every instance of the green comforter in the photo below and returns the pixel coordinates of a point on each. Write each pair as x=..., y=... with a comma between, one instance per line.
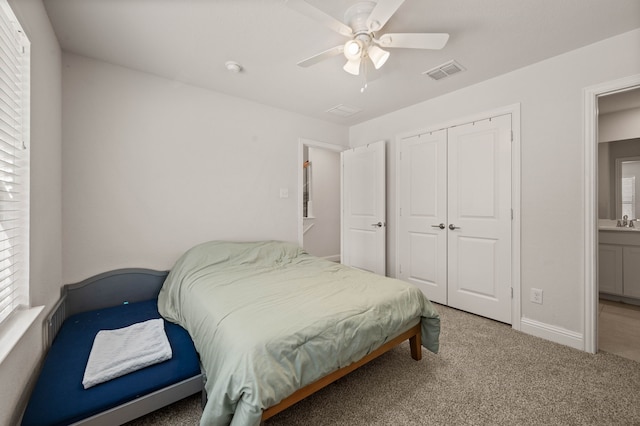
x=268, y=318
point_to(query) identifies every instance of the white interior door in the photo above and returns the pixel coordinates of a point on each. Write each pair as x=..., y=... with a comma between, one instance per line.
x=422, y=241
x=479, y=213
x=363, y=208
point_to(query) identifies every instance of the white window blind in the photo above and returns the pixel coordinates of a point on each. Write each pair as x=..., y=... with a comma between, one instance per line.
x=14, y=163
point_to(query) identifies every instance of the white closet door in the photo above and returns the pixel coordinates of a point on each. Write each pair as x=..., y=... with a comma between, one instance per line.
x=364, y=208
x=479, y=212
x=423, y=213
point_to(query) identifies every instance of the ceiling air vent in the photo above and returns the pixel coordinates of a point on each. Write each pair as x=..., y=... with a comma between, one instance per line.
x=444, y=70
x=343, y=110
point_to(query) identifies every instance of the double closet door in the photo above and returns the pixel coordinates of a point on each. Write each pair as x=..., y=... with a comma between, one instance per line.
x=455, y=216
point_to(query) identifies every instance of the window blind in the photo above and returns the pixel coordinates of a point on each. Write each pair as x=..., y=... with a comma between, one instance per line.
x=14, y=163
x=628, y=196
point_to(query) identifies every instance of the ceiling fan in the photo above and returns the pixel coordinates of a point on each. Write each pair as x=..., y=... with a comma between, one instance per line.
x=361, y=23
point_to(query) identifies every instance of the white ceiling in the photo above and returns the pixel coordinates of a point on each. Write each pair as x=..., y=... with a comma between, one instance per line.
x=190, y=41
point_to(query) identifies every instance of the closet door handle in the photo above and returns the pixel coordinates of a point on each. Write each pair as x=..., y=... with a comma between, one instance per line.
x=441, y=226
x=453, y=227
x=377, y=225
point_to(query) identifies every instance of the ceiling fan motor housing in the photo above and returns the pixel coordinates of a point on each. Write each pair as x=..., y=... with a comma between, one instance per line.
x=356, y=17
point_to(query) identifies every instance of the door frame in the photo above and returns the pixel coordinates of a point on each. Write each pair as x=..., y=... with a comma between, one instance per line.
x=514, y=110
x=302, y=142
x=590, y=189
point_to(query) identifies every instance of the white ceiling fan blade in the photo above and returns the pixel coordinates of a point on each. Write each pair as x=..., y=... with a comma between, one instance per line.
x=414, y=40
x=329, y=21
x=381, y=13
x=334, y=51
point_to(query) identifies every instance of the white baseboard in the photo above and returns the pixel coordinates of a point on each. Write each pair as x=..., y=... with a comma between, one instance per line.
x=333, y=258
x=552, y=333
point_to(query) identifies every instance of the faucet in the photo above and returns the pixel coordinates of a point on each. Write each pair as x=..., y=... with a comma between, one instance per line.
x=626, y=222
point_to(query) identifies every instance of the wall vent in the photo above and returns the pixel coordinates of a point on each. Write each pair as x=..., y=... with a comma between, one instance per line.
x=343, y=110
x=444, y=70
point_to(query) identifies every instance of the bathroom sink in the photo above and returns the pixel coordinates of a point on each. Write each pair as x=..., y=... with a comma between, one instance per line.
x=617, y=228
x=610, y=225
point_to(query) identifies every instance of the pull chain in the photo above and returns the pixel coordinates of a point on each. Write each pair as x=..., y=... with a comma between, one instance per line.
x=364, y=72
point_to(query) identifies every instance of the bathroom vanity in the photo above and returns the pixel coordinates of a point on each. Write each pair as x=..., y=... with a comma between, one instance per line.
x=619, y=263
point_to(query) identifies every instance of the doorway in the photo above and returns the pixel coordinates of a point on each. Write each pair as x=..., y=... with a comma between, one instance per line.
x=319, y=198
x=592, y=95
x=618, y=149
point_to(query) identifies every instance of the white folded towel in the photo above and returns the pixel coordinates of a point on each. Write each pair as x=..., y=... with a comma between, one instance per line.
x=118, y=352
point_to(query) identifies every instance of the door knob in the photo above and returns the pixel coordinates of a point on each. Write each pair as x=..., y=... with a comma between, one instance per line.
x=453, y=227
x=441, y=226
x=377, y=225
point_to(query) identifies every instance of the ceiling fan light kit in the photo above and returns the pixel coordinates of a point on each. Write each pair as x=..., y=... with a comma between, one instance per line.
x=377, y=56
x=363, y=19
x=352, y=67
x=353, y=49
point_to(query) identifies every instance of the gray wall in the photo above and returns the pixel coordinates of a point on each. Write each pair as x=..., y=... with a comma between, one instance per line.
x=619, y=125
x=153, y=167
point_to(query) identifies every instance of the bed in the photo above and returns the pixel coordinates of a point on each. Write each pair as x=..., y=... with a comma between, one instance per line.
x=273, y=324
x=108, y=301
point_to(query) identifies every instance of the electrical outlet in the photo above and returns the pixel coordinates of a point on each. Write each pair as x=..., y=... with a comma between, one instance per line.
x=536, y=295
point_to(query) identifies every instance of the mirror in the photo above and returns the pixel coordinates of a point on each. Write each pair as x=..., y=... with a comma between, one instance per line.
x=307, y=202
x=627, y=191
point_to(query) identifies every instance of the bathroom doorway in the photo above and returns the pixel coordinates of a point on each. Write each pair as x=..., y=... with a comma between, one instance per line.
x=319, y=198
x=612, y=314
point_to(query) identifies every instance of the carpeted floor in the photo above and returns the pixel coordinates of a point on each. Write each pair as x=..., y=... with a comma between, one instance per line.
x=486, y=373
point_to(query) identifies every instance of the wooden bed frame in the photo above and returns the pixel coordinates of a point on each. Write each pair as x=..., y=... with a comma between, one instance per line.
x=415, y=341
x=131, y=285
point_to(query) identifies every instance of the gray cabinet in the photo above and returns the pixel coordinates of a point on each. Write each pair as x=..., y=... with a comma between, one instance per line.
x=610, y=268
x=619, y=263
x=631, y=271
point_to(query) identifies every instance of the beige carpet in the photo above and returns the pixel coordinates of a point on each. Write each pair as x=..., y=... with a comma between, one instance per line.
x=485, y=373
